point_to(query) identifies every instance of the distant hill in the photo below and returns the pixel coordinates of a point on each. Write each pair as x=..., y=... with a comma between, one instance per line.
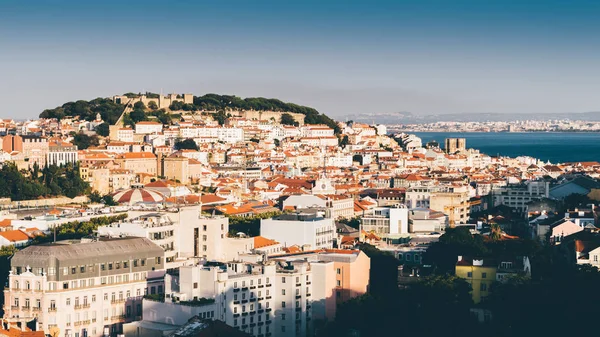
x=111, y=111
x=409, y=118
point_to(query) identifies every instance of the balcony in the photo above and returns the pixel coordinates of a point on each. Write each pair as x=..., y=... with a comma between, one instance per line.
x=260, y=298
x=25, y=308
x=261, y=286
x=308, y=282
x=52, y=309
x=252, y=287
x=298, y=309
x=244, y=314
x=268, y=310
x=236, y=302
x=93, y=320
x=236, y=315
x=121, y=300
x=253, y=299
x=298, y=296
x=260, y=311
x=261, y=323
x=298, y=284
x=245, y=326
x=236, y=290
x=14, y=307
x=78, y=323
x=244, y=301
x=252, y=325
x=36, y=309
x=268, y=297
x=308, y=294
x=117, y=317
x=268, y=322
x=86, y=322
x=244, y=288
x=268, y=285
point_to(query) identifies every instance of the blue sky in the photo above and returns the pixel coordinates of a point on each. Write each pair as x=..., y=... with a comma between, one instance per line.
x=338, y=56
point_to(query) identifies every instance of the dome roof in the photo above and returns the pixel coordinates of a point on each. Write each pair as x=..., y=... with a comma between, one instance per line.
x=137, y=194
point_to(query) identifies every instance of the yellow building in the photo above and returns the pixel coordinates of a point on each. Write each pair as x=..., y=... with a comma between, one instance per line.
x=138, y=162
x=176, y=167
x=479, y=273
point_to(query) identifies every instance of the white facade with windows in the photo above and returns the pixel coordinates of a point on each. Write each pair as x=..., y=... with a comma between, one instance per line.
x=310, y=230
x=83, y=289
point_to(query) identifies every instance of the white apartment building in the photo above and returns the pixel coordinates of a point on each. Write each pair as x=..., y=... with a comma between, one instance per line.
x=157, y=227
x=61, y=153
x=83, y=288
x=308, y=228
x=125, y=135
x=517, y=196
x=277, y=298
x=339, y=160
x=230, y=135
x=316, y=131
x=386, y=221
x=418, y=197
x=147, y=127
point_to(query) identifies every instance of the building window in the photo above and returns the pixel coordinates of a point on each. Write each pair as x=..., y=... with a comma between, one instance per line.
x=483, y=275
x=339, y=271
x=195, y=285
x=282, y=291
x=283, y=304
x=73, y=270
x=470, y=274
x=338, y=283
x=283, y=280
x=283, y=317
x=483, y=287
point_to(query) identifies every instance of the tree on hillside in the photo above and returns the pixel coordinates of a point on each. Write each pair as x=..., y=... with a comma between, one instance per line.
x=176, y=106
x=102, y=129
x=84, y=141
x=137, y=116
x=287, y=119
x=139, y=106
x=344, y=141
x=454, y=242
x=220, y=117
x=186, y=144
x=152, y=105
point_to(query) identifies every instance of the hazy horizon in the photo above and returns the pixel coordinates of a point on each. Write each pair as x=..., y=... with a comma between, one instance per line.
x=340, y=57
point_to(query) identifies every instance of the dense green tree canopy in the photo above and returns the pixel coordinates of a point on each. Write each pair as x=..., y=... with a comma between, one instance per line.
x=50, y=181
x=287, y=119
x=102, y=129
x=109, y=110
x=186, y=144
x=84, y=141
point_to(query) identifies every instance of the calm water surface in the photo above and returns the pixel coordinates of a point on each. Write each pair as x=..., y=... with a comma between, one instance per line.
x=557, y=147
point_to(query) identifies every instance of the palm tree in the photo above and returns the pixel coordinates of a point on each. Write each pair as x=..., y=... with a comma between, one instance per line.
x=495, y=232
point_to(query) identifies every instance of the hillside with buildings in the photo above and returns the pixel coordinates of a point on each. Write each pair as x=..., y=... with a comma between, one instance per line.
x=275, y=223
x=112, y=109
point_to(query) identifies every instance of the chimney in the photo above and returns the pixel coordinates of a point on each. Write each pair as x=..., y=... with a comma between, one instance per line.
x=459, y=258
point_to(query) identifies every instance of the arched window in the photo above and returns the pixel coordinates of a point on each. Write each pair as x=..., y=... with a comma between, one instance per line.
x=16, y=284
x=38, y=286
x=27, y=285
